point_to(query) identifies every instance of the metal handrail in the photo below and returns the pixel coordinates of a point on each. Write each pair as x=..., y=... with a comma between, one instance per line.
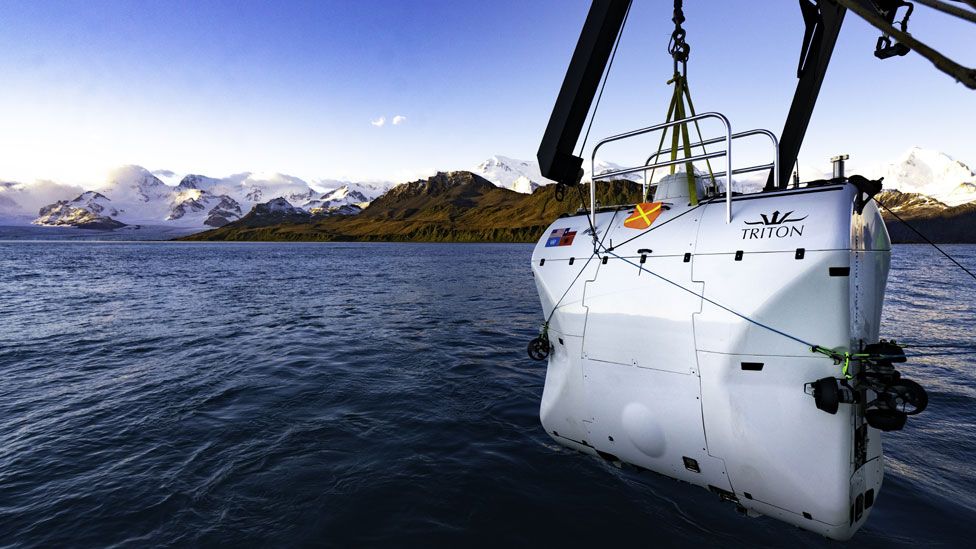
x=774, y=164
x=666, y=163
x=727, y=153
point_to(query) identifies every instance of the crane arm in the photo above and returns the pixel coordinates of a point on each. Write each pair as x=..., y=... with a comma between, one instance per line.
x=823, y=20
x=603, y=24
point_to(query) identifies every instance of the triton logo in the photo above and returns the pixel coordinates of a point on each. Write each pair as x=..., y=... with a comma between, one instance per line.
x=775, y=219
x=773, y=226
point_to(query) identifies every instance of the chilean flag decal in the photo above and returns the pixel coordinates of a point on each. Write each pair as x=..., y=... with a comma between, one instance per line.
x=560, y=237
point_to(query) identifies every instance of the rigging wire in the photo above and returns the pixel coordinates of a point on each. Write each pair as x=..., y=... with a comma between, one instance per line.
x=596, y=107
x=679, y=52
x=606, y=76
x=719, y=305
x=589, y=221
x=919, y=233
x=594, y=254
x=658, y=226
x=815, y=348
x=568, y=288
x=838, y=357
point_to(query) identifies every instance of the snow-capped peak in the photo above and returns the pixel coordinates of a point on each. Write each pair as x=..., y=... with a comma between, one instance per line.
x=344, y=193
x=932, y=173
x=134, y=183
x=138, y=196
x=201, y=182
x=281, y=205
x=524, y=176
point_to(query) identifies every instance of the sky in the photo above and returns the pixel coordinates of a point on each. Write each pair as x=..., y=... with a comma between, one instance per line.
x=391, y=90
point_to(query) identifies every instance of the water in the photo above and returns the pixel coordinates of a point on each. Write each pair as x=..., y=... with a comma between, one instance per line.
x=349, y=394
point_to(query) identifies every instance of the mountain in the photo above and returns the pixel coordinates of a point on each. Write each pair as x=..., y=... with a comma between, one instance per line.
x=131, y=195
x=20, y=202
x=273, y=212
x=339, y=202
x=462, y=206
x=194, y=205
x=932, y=173
x=134, y=196
x=349, y=197
x=248, y=189
x=369, y=189
x=458, y=206
x=936, y=220
x=521, y=176
x=91, y=210
x=524, y=176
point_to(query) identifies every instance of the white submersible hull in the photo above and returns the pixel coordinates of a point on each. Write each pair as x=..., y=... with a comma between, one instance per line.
x=682, y=348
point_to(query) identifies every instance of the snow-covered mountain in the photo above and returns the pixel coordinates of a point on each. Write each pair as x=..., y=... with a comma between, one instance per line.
x=931, y=173
x=202, y=208
x=521, y=176
x=524, y=176
x=918, y=170
x=370, y=189
x=131, y=195
x=251, y=188
x=20, y=202
x=89, y=210
x=279, y=207
x=345, y=197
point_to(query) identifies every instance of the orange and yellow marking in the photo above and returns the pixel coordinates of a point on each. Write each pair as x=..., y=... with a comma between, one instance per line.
x=644, y=214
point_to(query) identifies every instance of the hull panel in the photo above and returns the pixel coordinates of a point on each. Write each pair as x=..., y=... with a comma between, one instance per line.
x=655, y=363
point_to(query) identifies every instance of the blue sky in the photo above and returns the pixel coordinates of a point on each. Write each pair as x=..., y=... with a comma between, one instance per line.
x=225, y=87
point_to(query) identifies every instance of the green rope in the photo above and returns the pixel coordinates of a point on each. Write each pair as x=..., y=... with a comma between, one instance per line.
x=844, y=359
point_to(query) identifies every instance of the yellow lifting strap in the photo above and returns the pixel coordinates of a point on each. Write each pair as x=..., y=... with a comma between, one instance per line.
x=678, y=110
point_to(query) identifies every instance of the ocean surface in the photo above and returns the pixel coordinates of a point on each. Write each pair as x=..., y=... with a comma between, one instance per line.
x=375, y=394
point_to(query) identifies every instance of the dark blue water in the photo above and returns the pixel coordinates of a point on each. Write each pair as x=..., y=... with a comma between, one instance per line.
x=350, y=394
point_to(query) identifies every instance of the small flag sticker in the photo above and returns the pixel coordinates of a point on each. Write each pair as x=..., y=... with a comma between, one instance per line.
x=644, y=215
x=560, y=237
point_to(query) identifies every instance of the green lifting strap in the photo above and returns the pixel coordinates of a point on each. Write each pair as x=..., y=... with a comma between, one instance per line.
x=680, y=138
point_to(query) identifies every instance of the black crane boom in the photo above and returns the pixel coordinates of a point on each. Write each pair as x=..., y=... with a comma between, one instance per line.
x=603, y=24
x=823, y=20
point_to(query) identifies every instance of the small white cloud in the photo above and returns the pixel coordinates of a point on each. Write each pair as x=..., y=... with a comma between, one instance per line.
x=379, y=121
x=399, y=119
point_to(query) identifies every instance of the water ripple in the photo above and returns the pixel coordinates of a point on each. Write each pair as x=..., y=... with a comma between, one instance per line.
x=350, y=394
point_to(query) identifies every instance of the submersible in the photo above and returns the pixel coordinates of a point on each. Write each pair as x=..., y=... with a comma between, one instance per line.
x=729, y=340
